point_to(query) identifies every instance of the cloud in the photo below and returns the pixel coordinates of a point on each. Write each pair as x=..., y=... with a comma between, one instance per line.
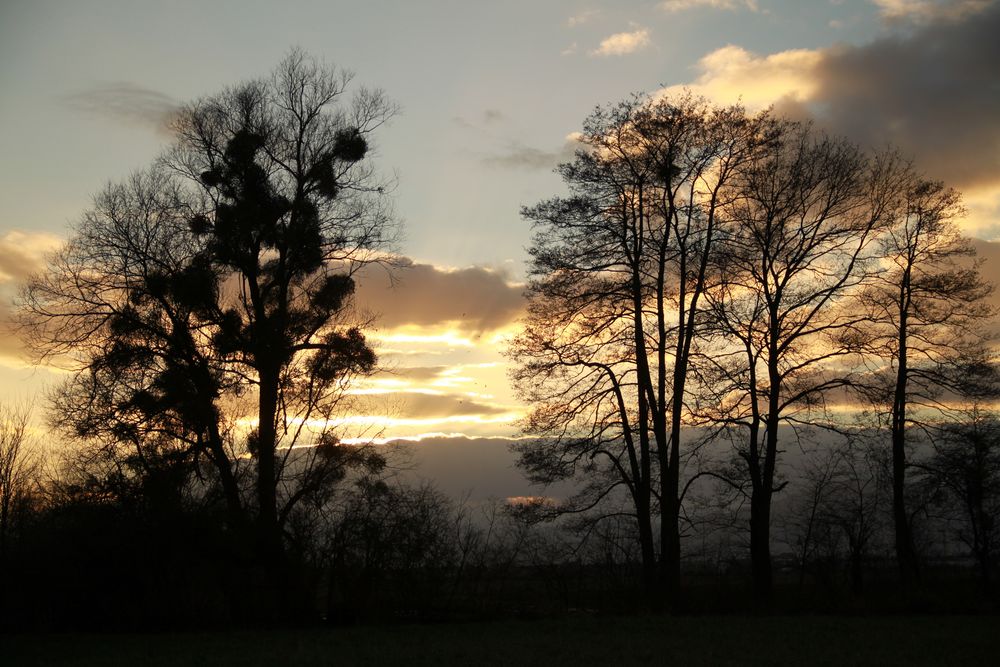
x=21, y=254
x=732, y=73
x=623, y=43
x=583, y=17
x=520, y=156
x=934, y=92
x=925, y=11
x=418, y=373
x=477, y=299
x=422, y=405
x=684, y=5
x=127, y=102
x=487, y=117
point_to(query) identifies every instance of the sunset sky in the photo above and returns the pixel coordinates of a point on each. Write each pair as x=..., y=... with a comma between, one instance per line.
x=490, y=96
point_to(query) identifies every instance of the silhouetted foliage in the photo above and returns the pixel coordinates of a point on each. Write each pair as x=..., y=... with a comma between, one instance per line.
x=19, y=476
x=213, y=290
x=729, y=275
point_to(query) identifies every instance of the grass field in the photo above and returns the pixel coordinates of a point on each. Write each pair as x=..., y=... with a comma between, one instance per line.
x=572, y=640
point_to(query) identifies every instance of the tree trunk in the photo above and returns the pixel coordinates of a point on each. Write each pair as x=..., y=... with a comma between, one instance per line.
x=763, y=488
x=760, y=546
x=648, y=554
x=906, y=556
x=230, y=488
x=267, y=508
x=670, y=538
x=857, y=570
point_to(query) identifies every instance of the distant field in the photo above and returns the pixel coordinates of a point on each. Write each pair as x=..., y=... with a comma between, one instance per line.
x=575, y=640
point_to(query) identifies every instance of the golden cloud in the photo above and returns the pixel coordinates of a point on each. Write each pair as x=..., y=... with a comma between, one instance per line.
x=733, y=74
x=623, y=43
x=21, y=254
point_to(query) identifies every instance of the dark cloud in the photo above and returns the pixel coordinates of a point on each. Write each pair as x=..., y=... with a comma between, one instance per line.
x=520, y=156
x=488, y=117
x=896, y=12
x=127, y=102
x=988, y=252
x=419, y=405
x=493, y=116
x=934, y=92
x=479, y=299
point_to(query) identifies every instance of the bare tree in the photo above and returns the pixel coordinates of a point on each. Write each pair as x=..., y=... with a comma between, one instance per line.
x=213, y=290
x=965, y=465
x=18, y=469
x=926, y=338
x=619, y=269
x=806, y=219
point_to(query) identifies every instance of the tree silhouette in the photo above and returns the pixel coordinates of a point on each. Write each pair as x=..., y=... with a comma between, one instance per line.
x=220, y=276
x=618, y=272
x=965, y=465
x=18, y=472
x=806, y=219
x=925, y=338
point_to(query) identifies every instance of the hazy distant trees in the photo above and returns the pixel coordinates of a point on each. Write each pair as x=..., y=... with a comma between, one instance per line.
x=964, y=469
x=203, y=304
x=19, y=468
x=839, y=506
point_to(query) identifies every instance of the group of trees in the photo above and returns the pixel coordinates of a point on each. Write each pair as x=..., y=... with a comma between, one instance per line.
x=713, y=276
x=736, y=276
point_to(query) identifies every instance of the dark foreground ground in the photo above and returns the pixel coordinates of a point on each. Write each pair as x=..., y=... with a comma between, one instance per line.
x=570, y=640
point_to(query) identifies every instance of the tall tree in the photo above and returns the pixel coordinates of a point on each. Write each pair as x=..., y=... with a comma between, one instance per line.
x=224, y=271
x=806, y=218
x=926, y=338
x=618, y=272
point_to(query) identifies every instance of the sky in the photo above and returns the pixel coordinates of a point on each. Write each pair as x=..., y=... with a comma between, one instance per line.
x=490, y=94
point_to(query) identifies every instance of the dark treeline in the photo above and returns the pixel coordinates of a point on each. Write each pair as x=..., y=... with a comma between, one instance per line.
x=758, y=352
